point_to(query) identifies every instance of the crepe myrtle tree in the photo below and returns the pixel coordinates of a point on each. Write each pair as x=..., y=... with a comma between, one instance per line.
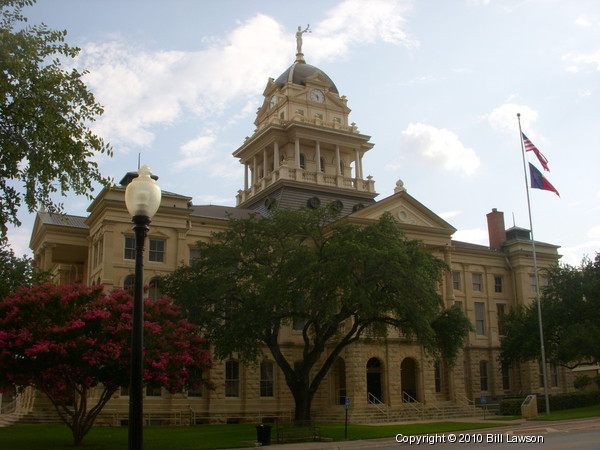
x=72, y=342
x=307, y=267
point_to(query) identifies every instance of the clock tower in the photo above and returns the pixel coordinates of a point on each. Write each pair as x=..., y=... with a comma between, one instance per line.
x=303, y=151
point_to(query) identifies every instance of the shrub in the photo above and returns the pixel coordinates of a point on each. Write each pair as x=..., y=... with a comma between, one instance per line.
x=582, y=381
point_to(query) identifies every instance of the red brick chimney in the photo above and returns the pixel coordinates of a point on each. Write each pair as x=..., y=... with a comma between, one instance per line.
x=496, y=230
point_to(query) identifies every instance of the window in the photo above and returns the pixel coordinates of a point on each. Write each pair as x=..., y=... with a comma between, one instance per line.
x=554, y=375
x=542, y=280
x=300, y=112
x=483, y=375
x=302, y=161
x=129, y=248
x=266, y=379
x=129, y=282
x=157, y=250
x=505, y=376
x=477, y=282
x=322, y=164
x=438, y=377
x=232, y=379
x=480, y=319
x=498, y=284
x=194, y=254
x=154, y=289
x=459, y=303
x=501, y=308
x=456, y=281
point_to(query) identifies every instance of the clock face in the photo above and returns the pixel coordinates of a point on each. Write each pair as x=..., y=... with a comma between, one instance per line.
x=317, y=95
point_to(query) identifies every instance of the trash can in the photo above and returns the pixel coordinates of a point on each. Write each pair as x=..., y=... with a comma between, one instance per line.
x=263, y=434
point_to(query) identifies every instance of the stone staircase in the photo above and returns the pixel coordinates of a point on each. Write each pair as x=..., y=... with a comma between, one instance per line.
x=29, y=417
x=405, y=413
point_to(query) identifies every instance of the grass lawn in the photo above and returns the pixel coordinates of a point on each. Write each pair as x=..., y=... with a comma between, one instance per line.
x=36, y=437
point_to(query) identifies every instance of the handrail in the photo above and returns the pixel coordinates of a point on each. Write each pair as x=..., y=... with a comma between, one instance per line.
x=407, y=399
x=373, y=400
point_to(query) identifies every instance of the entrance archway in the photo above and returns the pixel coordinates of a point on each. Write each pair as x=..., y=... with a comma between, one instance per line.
x=408, y=379
x=374, y=384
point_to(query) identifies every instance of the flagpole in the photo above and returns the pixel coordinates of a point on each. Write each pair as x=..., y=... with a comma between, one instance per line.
x=535, y=271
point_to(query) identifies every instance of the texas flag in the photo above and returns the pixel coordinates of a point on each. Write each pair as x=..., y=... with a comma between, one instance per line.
x=538, y=181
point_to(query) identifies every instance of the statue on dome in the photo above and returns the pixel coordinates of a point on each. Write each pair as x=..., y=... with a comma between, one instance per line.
x=299, y=34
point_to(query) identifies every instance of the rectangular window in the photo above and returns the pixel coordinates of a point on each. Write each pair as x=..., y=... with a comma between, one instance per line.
x=232, y=379
x=456, y=281
x=438, y=377
x=501, y=308
x=498, y=284
x=505, y=376
x=460, y=304
x=266, y=379
x=194, y=254
x=480, y=319
x=477, y=282
x=554, y=374
x=157, y=250
x=129, y=248
x=483, y=375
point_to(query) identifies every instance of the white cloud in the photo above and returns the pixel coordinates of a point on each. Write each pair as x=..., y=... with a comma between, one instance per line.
x=504, y=118
x=438, y=147
x=579, y=61
x=474, y=236
x=359, y=22
x=582, y=22
x=449, y=214
x=141, y=89
x=195, y=152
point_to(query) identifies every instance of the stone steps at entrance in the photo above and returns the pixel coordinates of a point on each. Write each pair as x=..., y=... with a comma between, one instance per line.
x=407, y=412
x=29, y=418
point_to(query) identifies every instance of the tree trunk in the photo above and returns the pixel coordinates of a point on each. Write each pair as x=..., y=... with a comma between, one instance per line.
x=303, y=398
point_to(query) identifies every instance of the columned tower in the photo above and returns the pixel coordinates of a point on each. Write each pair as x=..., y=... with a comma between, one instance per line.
x=303, y=151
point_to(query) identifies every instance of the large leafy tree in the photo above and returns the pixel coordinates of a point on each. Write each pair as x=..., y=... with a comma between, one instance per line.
x=68, y=340
x=17, y=271
x=336, y=279
x=570, y=317
x=45, y=143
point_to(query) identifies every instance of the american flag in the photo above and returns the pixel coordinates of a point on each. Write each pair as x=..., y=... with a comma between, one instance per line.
x=529, y=147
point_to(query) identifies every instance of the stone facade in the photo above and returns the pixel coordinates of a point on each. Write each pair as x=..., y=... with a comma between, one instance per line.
x=304, y=152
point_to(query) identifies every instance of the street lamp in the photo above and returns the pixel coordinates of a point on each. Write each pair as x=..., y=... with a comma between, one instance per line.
x=142, y=198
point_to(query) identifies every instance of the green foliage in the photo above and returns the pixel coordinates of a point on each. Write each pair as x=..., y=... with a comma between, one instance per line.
x=570, y=315
x=581, y=382
x=17, y=272
x=570, y=400
x=338, y=280
x=45, y=143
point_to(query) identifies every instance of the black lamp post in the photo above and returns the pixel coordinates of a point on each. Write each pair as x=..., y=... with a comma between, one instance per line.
x=142, y=198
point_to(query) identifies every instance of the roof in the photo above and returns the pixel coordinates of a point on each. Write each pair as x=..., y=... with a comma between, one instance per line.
x=220, y=212
x=299, y=71
x=65, y=220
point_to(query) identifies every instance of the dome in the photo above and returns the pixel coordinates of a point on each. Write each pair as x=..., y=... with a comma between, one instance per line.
x=299, y=71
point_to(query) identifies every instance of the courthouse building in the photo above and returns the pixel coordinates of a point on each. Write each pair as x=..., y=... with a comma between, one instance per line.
x=305, y=151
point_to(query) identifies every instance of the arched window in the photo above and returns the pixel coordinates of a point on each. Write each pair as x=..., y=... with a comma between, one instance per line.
x=154, y=289
x=128, y=282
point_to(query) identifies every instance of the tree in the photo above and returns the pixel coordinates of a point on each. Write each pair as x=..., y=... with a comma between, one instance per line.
x=570, y=317
x=67, y=340
x=16, y=272
x=45, y=143
x=296, y=268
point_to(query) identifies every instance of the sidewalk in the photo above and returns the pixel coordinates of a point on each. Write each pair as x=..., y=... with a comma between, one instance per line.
x=518, y=426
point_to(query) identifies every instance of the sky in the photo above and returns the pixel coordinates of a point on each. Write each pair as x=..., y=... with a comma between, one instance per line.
x=437, y=84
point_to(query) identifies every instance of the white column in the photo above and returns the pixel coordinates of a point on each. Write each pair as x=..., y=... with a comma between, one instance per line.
x=276, y=155
x=254, y=170
x=318, y=150
x=337, y=160
x=297, y=153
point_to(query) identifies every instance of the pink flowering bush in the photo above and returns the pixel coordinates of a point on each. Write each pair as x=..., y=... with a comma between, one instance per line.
x=65, y=340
